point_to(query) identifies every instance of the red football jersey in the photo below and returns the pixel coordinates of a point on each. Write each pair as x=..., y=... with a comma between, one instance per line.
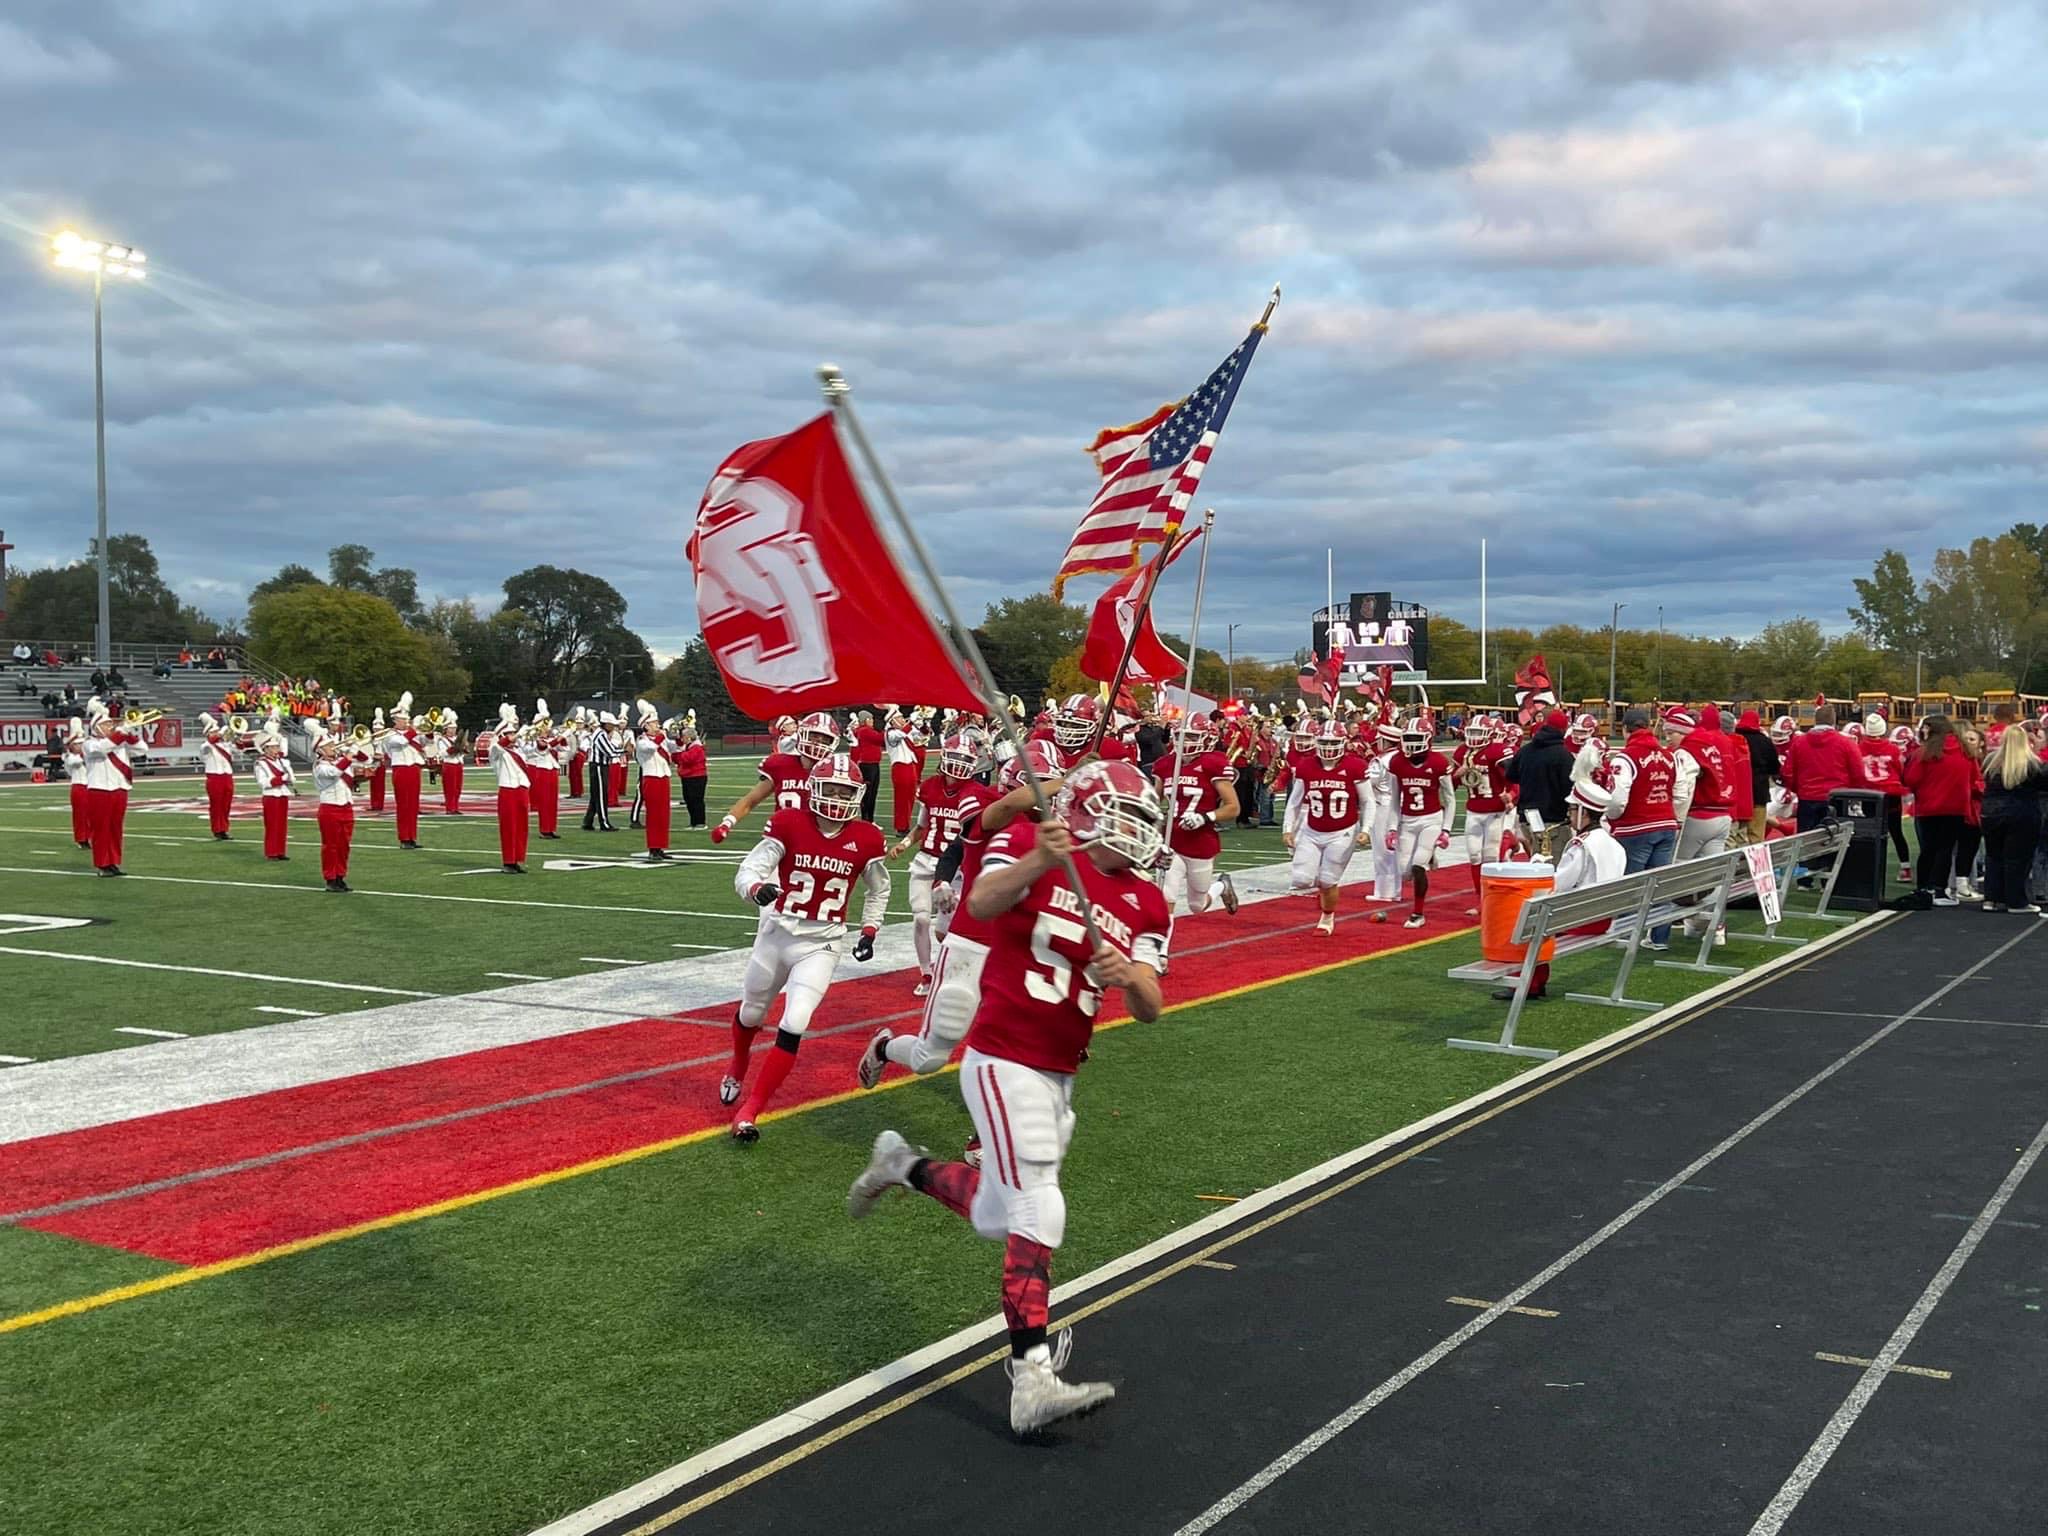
x=965, y=924
x=947, y=805
x=1115, y=749
x=791, y=776
x=1193, y=789
x=1416, y=792
x=1330, y=800
x=1491, y=794
x=1037, y=1003
x=820, y=868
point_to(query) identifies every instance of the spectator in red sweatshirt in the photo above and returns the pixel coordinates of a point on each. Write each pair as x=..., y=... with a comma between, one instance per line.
x=1945, y=783
x=1818, y=762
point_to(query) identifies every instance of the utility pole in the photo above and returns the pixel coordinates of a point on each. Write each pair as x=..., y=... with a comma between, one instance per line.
x=1613, y=634
x=1660, y=653
x=1230, y=658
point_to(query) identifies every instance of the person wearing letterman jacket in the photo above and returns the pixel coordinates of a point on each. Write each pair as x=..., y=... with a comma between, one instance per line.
x=108, y=774
x=74, y=773
x=334, y=786
x=513, y=803
x=802, y=875
x=217, y=758
x=657, y=777
x=274, y=780
x=1642, y=806
x=1702, y=796
x=402, y=750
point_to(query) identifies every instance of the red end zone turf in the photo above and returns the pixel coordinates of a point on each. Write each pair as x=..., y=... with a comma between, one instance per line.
x=303, y=1194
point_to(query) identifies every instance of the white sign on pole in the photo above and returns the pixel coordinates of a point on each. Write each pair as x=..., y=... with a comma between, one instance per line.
x=1763, y=875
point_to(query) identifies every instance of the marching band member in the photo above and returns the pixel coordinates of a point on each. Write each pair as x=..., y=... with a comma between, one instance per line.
x=334, y=781
x=274, y=779
x=604, y=757
x=512, y=790
x=802, y=875
x=903, y=769
x=217, y=756
x=75, y=771
x=377, y=733
x=539, y=752
x=615, y=781
x=452, y=763
x=434, y=748
x=578, y=736
x=402, y=750
x=107, y=777
x=657, y=770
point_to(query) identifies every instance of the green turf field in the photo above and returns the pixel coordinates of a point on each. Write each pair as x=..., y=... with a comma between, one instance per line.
x=486, y=1369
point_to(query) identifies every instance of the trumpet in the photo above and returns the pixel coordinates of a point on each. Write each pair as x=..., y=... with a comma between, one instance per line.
x=142, y=716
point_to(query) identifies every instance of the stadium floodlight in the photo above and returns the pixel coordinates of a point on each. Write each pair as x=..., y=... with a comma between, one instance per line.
x=103, y=259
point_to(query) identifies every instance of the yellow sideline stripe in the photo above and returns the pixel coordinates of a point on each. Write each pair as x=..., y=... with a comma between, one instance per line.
x=178, y=1277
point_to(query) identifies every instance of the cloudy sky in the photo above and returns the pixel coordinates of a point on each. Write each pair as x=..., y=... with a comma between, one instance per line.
x=1690, y=304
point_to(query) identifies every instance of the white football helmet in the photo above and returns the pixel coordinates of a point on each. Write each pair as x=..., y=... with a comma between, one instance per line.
x=960, y=757
x=1331, y=744
x=836, y=788
x=817, y=738
x=1113, y=804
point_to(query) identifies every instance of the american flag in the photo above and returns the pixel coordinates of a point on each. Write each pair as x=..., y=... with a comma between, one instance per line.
x=1149, y=472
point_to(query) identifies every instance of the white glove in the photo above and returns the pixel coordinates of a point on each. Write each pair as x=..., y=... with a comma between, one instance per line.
x=1192, y=821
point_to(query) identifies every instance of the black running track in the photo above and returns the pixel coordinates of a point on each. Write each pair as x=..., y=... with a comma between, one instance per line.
x=1677, y=1387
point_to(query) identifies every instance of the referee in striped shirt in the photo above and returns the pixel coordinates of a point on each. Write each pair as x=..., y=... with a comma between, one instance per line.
x=603, y=753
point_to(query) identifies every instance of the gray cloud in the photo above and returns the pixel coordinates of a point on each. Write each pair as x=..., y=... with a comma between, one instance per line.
x=1693, y=305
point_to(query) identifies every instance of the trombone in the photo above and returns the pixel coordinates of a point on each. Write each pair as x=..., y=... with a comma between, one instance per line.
x=142, y=716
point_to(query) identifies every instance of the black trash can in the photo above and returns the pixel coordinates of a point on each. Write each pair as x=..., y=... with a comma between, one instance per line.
x=1860, y=887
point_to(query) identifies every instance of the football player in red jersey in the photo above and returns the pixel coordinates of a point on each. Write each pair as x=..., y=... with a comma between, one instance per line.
x=1423, y=796
x=1071, y=729
x=1481, y=765
x=955, y=992
x=1199, y=799
x=802, y=874
x=787, y=775
x=1324, y=821
x=943, y=805
x=1041, y=988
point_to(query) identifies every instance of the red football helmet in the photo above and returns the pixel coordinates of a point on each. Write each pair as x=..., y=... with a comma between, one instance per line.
x=817, y=737
x=1044, y=765
x=960, y=756
x=1304, y=738
x=1331, y=744
x=1478, y=731
x=836, y=788
x=1583, y=729
x=1200, y=732
x=1902, y=737
x=1853, y=730
x=1113, y=804
x=1783, y=729
x=1415, y=739
x=1073, y=724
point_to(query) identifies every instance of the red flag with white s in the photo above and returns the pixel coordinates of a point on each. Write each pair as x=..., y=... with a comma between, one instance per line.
x=799, y=599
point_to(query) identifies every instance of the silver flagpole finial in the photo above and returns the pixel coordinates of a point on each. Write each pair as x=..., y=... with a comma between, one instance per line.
x=831, y=380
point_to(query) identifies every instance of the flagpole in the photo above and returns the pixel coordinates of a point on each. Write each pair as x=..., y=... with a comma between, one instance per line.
x=839, y=396
x=1123, y=666
x=1180, y=738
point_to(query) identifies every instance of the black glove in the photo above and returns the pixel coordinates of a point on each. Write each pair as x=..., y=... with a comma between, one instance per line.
x=765, y=894
x=864, y=946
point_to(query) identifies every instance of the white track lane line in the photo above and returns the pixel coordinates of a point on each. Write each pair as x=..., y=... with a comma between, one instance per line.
x=153, y=1034
x=1288, y=1460
x=1780, y=1509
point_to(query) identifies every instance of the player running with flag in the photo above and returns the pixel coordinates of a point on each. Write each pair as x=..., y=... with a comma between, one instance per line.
x=1041, y=989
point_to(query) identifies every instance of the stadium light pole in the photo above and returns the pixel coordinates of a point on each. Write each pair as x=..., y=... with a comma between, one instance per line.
x=1660, y=653
x=1230, y=658
x=1613, y=632
x=103, y=259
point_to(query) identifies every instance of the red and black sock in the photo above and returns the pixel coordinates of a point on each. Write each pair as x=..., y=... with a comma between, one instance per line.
x=1027, y=1291
x=1421, y=887
x=773, y=1071
x=951, y=1184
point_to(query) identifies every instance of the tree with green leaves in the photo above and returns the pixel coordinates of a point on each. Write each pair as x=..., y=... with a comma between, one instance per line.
x=1888, y=607
x=693, y=681
x=1782, y=660
x=566, y=613
x=287, y=578
x=1022, y=638
x=355, y=643
x=61, y=602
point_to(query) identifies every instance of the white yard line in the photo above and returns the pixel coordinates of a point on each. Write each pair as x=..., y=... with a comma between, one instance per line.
x=296, y=1013
x=513, y=976
x=153, y=1034
x=15, y=1061
x=608, y=960
x=321, y=890
x=207, y=970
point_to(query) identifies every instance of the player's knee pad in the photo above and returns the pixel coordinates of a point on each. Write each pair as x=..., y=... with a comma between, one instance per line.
x=926, y=1056
x=1039, y=1210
